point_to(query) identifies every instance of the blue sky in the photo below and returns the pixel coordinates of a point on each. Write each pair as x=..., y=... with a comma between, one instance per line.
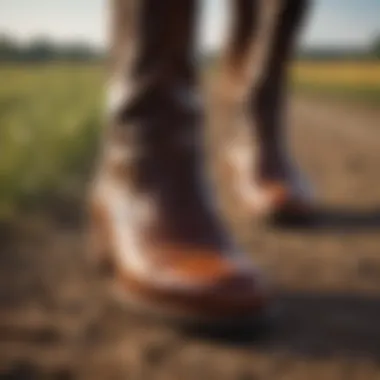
x=330, y=22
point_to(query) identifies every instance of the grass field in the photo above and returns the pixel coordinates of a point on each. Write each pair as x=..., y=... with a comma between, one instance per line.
x=50, y=117
x=349, y=81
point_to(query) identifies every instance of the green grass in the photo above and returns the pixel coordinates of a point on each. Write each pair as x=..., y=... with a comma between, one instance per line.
x=50, y=119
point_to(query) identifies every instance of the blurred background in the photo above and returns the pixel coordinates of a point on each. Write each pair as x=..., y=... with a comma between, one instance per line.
x=52, y=79
x=55, y=321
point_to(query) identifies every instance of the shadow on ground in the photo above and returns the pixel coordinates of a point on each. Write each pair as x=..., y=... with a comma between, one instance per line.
x=334, y=219
x=315, y=325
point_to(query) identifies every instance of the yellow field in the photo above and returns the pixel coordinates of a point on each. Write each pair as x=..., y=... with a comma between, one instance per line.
x=349, y=81
x=353, y=74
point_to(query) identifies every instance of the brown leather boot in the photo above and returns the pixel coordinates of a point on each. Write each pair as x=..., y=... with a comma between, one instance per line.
x=253, y=83
x=152, y=210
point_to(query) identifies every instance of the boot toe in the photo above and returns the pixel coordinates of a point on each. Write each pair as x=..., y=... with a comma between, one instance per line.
x=204, y=287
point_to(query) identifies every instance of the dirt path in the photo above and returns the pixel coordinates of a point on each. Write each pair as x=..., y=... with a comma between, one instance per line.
x=57, y=320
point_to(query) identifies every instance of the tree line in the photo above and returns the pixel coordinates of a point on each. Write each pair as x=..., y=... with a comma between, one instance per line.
x=370, y=53
x=44, y=50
